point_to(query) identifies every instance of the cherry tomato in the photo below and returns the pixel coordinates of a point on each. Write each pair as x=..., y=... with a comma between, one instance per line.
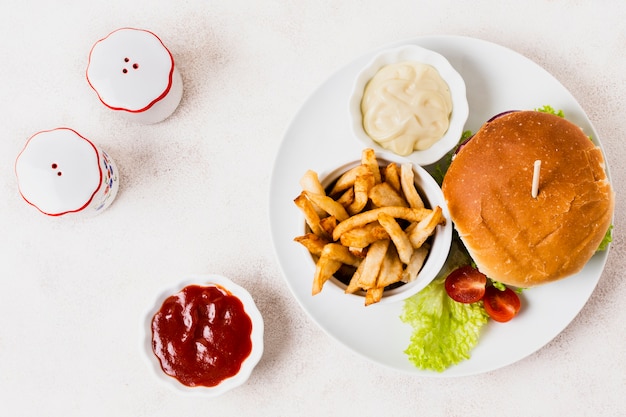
x=501, y=305
x=466, y=284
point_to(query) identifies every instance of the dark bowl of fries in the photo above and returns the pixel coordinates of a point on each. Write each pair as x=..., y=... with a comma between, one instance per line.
x=377, y=228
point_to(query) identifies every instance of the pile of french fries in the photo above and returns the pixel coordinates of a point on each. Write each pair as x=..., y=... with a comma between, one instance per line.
x=372, y=222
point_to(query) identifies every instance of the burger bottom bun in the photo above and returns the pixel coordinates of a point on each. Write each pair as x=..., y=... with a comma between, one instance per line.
x=517, y=239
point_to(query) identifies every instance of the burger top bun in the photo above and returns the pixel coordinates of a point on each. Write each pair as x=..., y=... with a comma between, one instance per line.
x=517, y=239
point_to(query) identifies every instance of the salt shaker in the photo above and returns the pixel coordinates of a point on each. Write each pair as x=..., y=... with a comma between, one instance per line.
x=60, y=172
x=134, y=74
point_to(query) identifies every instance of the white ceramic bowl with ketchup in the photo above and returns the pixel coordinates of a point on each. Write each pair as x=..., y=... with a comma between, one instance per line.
x=207, y=318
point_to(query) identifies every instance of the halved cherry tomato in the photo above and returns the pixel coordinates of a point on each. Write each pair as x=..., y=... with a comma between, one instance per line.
x=466, y=284
x=501, y=305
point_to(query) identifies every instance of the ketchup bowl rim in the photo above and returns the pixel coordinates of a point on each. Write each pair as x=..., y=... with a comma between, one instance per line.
x=256, y=336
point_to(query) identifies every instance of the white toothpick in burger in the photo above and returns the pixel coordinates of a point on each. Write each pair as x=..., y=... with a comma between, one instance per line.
x=513, y=236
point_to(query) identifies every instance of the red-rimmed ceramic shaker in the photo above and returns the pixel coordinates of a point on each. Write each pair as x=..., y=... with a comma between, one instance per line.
x=134, y=74
x=60, y=172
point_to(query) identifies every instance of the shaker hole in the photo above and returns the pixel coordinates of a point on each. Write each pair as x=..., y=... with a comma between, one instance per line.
x=54, y=166
x=126, y=59
x=124, y=70
x=59, y=173
x=135, y=66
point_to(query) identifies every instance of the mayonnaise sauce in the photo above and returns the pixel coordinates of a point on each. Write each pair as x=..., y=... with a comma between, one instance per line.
x=406, y=106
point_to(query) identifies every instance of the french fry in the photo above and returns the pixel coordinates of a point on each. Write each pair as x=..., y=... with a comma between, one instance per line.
x=373, y=295
x=368, y=159
x=358, y=252
x=425, y=228
x=398, y=237
x=391, y=269
x=327, y=204
x=407, y=180
x=312, y=242
x=328, y=224
x=324, y=269
x=310, y=215
x=362, y=186
x=347, y=179
x=415, y=264
x=353, y=285
x=340, y=253
x=406, y=213
x=310, y=182
x=392, y=176
x=373, y=261
x=347, y=197
x=361, y=237
x=384, y=194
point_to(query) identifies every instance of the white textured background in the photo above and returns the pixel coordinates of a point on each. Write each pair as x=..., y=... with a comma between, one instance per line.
x=194, y=197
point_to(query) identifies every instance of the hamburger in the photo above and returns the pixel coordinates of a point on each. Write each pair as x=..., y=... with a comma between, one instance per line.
x=514, y=237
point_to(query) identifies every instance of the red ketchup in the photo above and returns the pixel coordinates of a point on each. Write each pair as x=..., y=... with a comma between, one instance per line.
x=201, y=335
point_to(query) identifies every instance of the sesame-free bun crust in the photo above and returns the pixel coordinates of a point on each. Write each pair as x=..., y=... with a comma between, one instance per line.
x=517, y=239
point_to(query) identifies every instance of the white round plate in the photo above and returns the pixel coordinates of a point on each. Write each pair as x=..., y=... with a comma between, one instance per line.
x=319, y=138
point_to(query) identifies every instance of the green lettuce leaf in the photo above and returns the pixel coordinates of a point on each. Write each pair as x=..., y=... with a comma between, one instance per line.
x=551, y=110
x=444, y=331
x=608, y=238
